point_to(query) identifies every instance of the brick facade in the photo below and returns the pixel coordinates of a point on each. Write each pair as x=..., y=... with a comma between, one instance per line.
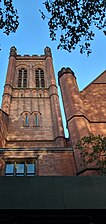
x=85, y=110
x=31, y=100
x=45, y=140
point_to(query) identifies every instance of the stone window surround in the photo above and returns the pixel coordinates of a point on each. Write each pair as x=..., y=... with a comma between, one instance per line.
x=36, y=117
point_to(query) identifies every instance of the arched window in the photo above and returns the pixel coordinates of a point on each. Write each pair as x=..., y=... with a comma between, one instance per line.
x=26, y=118
x=39, y=78
x=22, y=78
x=36, y=119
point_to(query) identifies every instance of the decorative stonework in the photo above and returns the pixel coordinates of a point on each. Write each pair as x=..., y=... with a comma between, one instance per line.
x=47, y=51
x=34, y=96
x=13, y=51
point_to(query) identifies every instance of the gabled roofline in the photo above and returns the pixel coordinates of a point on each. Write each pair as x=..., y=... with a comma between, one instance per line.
x=93, y=81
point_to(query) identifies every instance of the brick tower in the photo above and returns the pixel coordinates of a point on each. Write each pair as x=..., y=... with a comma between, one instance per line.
x=31, y=132
x=31, y=102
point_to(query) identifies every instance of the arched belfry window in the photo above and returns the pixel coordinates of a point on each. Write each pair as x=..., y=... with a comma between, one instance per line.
x=22, y=78
x=39, y=78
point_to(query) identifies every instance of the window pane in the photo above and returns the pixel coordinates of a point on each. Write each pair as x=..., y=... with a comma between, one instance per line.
x=20, y=168
x=26, y=120
x=20, y=72
x=25, y=74
x=25, y=71
x=37, y=82
x=19, y=82
x=25, y=83
x=10, y=168
x=42, y=83
x=30, y=168
x=41, y=72
x=36, y=120
x=42, y=76
x=20, y=76
x=37, y=72
x=37, y=76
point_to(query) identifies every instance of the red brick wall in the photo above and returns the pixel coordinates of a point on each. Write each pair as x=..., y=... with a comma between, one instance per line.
x=85, y=110
x=3, y=128
x=49, y=162
x=17, y=101
x=94, y=99
x=56, y=164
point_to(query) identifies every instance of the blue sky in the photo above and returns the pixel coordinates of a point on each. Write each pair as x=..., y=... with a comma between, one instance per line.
x=32, y=37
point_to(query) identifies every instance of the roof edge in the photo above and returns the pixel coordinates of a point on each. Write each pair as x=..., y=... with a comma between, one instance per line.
x=93, y=81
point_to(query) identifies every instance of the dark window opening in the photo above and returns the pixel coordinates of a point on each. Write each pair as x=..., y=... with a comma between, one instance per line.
x=22, y=78
x=37, y=83
x=25, y=83
x=39, y=78
x=19, y=82
x=42, y=82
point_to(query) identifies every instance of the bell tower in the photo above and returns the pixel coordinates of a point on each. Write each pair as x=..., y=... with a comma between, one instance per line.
x=31, y=102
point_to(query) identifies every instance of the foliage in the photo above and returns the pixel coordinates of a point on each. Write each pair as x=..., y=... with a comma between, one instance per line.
x=8, y=17
x=93, y=151
x=76, y=20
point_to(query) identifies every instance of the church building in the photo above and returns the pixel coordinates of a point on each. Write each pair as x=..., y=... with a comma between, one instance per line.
x=32, y=140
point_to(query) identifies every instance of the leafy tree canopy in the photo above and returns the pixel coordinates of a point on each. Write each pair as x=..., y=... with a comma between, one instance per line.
x=93, y=151
x=8, y=17
x=75, y=20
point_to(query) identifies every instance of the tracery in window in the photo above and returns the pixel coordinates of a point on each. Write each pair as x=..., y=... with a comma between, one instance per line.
x=22, y=78
x=39, y=78
x=20, y=168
